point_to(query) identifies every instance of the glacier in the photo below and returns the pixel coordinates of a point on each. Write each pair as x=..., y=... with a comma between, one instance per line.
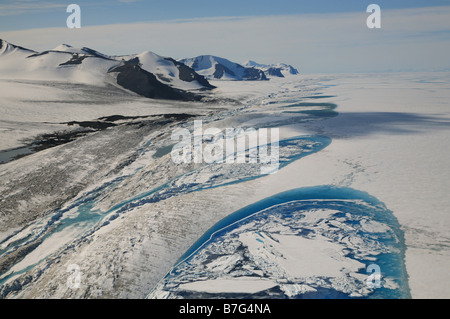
x=113, y=203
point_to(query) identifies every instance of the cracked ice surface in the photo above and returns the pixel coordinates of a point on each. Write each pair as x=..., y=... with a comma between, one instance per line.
x=291, y=245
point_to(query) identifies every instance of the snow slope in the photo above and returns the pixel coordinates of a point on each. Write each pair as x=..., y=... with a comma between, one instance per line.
x=68, y=65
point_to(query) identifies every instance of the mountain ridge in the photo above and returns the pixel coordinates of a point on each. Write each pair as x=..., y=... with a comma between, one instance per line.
x=218, y=68
x=271, y=70
x=156, y=76
x=160, y=77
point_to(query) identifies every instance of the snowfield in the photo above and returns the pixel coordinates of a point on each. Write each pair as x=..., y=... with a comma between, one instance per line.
x=113, y=202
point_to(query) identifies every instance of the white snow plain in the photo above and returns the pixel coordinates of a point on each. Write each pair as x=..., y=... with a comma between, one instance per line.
x=390, y=140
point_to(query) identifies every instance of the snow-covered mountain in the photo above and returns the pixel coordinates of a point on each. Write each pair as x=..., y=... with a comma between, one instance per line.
x=147, y=74
x=168, y=70
x=213, y=67
x=273, y=70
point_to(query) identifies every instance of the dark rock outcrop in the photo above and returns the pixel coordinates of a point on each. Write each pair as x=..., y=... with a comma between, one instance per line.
x=275, y=72
x=76, y=59
x=252, y=74
x=188, y=74
x=134, y=78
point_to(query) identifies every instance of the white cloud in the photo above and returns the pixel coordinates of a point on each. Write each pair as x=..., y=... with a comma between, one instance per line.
x=416, y=39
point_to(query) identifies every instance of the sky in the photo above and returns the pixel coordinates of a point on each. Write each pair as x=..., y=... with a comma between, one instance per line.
x=321, y=36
